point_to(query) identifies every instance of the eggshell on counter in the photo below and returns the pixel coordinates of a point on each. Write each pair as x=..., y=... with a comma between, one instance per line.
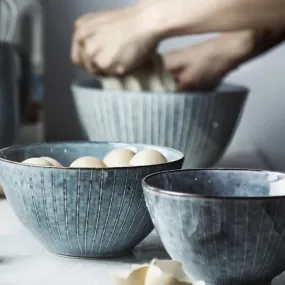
x=148, y=157
x=119, y=157
x=158, y=272
x=88, y=162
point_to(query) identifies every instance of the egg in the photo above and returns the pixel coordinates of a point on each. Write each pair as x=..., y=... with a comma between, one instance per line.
x=119, y=157
x=37, y=161
x=148, y=157
x=52, y=161
x=88, y=162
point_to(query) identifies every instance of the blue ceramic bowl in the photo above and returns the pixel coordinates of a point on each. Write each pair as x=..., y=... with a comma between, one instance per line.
x=227, y=227
x=198, y=123
x=80, y=212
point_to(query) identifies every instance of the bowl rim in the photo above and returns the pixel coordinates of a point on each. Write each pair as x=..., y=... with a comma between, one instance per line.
x=180, y=155
x=148, y=188
x=221, y=89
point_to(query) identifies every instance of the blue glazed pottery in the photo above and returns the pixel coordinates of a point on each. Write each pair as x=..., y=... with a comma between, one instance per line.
x=80, y=212
x=199, y=124
x=227, y=227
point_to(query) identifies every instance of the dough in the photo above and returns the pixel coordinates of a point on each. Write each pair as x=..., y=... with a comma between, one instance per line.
x=152, y=77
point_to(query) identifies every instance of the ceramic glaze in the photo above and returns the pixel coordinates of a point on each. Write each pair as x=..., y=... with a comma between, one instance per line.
x=227, y=227
x=199, y=124
x=80, y=212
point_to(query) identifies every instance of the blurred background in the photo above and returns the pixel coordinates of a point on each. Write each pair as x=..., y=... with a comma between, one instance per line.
x=46, y=35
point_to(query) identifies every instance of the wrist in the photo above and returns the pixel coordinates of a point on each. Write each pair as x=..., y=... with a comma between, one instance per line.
x=157, y=18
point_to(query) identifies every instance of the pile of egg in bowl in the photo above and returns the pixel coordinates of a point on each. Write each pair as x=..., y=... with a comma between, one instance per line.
x=84, y=199
x=119, y=157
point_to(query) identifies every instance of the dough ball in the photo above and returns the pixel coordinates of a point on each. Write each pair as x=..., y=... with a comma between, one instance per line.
x=88, y=162
x=148, y=157
x=52, y=161
x=119, y=157
x=151, y=77
x=37, y=161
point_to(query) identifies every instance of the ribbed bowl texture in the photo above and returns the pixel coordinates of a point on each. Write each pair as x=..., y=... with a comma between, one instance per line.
x=225, y=226
x=80, y=212
x=199, y=124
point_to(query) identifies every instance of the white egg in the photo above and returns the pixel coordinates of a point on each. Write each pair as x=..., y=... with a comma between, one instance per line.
x=37, y=161
x=148, y=157
x=52, y=161
x=119, y=157
x=88, y=162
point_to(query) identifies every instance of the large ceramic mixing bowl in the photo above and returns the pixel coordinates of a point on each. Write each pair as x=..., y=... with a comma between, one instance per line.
x=227, y=227
x=199, y=124
x=80, y=212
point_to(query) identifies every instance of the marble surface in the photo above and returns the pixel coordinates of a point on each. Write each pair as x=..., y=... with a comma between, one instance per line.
x=24, y=261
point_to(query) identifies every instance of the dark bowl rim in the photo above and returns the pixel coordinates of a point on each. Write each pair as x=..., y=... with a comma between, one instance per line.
x=179, y=154
x=237, y=89
x=149, y=188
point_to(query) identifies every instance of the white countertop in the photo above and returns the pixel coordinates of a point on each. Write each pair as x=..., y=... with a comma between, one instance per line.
x=23, y=260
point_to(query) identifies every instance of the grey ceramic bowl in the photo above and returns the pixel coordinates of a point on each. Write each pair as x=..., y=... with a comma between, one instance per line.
x=80, y=212
x=227, y=227
x=199, y=124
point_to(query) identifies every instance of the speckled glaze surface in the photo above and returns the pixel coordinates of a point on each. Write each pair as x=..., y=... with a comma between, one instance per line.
x=80, y=212
x=226, y=227
x=200, y=124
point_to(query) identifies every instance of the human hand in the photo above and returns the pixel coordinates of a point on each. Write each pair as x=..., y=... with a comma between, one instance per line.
x=112, y=42
x=205, y=64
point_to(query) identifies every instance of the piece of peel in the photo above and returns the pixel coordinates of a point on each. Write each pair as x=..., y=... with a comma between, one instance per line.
x=134, y=277
x=158, y=272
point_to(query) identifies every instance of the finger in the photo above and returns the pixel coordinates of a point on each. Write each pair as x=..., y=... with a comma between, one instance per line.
x=173, y=62
x=89, y=64
x=87, y=27
x=75, y=52
x=83, y=19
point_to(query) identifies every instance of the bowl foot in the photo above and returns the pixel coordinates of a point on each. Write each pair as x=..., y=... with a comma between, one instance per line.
x=113, y=256
x=259, y=282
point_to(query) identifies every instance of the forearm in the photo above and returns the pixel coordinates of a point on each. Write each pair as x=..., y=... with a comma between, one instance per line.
x=172, y=18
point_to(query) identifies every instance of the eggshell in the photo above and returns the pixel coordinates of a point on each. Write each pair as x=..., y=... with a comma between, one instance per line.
x=52, y=161
x=134, y=277
x=37, y=161
x=158, y=272
x=88, y=162
x=1, y=191
x=119, y=157
x=166, y=272
x=148, y=157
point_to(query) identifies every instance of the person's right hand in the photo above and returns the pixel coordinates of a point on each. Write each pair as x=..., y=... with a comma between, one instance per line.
x=113, y=42
x=205, y=64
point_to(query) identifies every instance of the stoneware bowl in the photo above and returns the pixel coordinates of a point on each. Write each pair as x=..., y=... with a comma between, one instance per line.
x=227, y=227
x=80, y=212
x=199, y=124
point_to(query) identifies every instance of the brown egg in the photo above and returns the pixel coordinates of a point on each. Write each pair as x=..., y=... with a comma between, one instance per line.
x=52, y=161
x=119, y=157
x=88, y=162
x=148, y=157
x=37, y=161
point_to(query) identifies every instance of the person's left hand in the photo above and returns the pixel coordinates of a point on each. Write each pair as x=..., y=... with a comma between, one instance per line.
x=205, y=64
x=112, y=42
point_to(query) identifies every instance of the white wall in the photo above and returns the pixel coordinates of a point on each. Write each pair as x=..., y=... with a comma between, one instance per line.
x=261, y=126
